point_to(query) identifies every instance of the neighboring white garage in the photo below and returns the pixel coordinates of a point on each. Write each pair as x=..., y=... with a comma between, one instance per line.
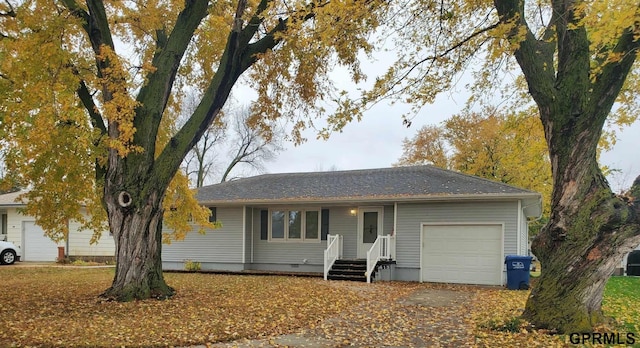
x=462, y=253
x=35, y=245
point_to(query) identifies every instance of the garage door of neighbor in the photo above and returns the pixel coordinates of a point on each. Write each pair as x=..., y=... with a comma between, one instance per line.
x=35, y=246
x=466, y=254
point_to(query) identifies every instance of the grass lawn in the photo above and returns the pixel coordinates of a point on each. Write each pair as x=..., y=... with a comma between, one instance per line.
x=53, y=306
x=622, y=301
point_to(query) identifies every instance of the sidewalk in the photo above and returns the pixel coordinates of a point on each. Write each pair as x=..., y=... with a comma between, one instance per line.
x=27, y=264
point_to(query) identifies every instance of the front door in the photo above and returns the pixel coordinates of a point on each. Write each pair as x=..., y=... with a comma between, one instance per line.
x=369, y=228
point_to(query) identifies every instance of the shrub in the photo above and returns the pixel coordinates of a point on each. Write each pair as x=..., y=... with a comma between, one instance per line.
x=192, y=266
x=512, y=325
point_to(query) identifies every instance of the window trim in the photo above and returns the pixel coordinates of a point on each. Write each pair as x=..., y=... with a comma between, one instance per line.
x=303, y=238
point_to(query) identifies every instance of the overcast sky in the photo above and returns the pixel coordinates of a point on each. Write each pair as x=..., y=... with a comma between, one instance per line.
x=376, y=142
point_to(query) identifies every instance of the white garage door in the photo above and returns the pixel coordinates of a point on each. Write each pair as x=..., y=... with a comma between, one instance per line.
x=35, y=246
x=466, y=254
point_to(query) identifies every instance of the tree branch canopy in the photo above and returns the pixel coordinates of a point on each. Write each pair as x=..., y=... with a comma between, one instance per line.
x=533, y=55
x=154, y=95
x=99, y=84
x=237, y=57
x=609, y=82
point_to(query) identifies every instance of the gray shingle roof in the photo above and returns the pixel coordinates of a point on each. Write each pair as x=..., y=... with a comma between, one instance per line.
x=397, y=184
x=11, y=199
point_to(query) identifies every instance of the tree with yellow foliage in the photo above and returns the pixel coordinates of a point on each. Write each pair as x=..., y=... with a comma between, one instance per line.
x=89, y=91
x=577, y=59
x=508, y=148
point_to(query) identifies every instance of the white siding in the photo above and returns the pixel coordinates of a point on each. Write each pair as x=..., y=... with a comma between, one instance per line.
x=222, y=245
x=412, y=216
x=343, y=223
x=387, y=220
x=14, y=226
x=78, y=243
x=286, y=253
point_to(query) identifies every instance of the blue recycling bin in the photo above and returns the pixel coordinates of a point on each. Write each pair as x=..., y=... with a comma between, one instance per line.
x=518, y=271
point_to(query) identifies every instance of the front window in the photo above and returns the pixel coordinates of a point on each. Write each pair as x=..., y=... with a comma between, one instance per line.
x=295, y=225
x=312, y=224
x=277, y=224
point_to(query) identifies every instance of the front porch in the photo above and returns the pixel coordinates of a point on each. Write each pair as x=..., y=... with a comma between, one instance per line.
x=379, y=256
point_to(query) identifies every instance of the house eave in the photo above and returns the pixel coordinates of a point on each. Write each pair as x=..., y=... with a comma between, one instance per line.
x=378, y=199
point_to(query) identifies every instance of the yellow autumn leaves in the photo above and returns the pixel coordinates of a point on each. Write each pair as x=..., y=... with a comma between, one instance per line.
x=57, y=306
x=495, y=145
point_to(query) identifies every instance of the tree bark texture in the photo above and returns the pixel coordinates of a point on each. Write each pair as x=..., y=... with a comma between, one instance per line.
x=589, y=232
x=137, y=232
x=590, y=228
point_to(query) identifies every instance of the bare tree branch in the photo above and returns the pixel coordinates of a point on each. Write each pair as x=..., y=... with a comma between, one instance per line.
x=249, y=146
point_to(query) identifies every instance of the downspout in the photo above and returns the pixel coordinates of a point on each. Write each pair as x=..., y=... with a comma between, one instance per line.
x=244, y=235
x=252, y=232
x=395, y=230
x=519, y=229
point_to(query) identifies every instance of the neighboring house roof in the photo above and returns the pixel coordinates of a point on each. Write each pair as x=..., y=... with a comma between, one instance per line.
x=385, y=184
x=11, y=199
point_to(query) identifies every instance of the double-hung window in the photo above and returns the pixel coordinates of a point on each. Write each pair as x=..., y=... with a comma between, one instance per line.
x=294, y=225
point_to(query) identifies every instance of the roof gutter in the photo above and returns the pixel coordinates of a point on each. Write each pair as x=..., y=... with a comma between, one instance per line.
x=473, y=197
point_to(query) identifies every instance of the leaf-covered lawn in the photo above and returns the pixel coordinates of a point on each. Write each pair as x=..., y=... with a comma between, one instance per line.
x=60, y=307
x=496, y=312
x=622, y=301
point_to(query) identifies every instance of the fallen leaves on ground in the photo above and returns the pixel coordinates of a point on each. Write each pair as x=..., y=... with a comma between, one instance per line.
x=622, y=301
x=390, y=317
x=501, y=308
x=496, y=313
x=60, y=307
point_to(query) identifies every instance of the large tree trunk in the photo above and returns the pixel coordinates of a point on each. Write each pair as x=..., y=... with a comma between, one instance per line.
x=589, y=232
x=135, y=219
x=137, y=231
x=578, y=252
x=138, y=237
